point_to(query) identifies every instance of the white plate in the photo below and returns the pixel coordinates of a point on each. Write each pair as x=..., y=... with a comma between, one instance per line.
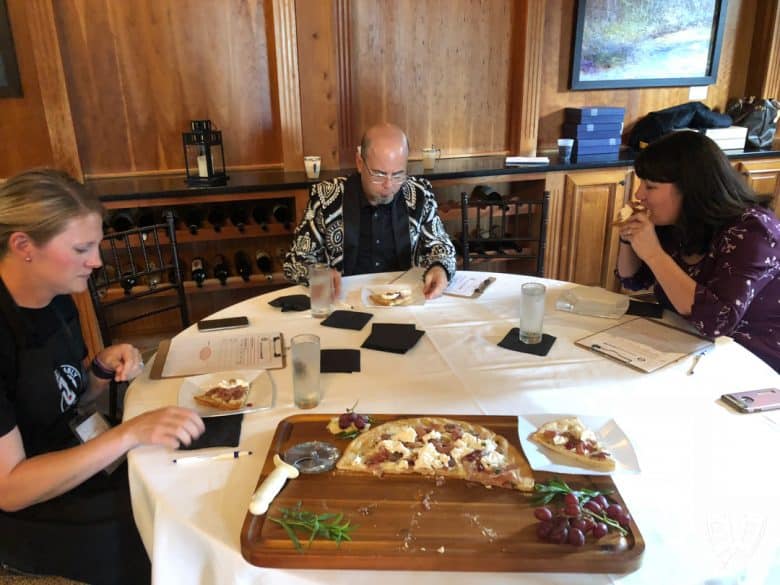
x=416, y=295
x=262, y=391
x=608, y=432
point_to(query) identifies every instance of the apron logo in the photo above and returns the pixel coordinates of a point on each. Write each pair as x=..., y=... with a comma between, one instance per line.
x=68, y=381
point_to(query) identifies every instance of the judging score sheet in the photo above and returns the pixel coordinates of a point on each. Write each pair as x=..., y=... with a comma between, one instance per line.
x=218, y=351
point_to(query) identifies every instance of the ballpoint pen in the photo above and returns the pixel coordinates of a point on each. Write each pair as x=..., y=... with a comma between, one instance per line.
x=484, y=284
x=696, y=359
x=215, y=457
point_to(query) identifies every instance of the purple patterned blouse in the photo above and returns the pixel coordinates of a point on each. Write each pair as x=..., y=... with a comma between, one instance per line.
x=738, y=284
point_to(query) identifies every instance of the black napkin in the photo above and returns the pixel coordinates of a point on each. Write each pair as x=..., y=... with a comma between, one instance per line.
x=221, y=431
x=292, y=303
x=339, y=360
x=512, y=341
x=347, y=320
x=642, y=309
x=393, y=337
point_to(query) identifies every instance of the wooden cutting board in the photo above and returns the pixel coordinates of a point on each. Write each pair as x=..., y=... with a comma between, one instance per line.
x=467, y=528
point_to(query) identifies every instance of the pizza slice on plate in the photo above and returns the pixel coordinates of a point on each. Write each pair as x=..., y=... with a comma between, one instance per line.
x=439, y=447
x=391, y=298
x=570, y=438
x=227, y=395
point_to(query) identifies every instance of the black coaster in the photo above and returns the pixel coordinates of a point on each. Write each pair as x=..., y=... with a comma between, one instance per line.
x=292, y=303
x=347, y=320
x=512, y=341
x=221, y=431
x=393, y=337
x=642, y=309
x=339, y=360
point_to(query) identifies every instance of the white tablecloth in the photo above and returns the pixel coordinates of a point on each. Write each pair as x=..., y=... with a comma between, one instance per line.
x=705, y=500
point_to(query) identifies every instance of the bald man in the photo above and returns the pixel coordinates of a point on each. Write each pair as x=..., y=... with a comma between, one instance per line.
x=376, y=220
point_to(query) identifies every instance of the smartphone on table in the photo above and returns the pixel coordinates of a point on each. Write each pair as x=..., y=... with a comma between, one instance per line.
x=225, y=323
x=754, y=400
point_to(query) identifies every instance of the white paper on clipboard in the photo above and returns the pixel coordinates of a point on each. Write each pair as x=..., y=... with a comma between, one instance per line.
x=192, y=355
x=464, y=284
x=643, y=344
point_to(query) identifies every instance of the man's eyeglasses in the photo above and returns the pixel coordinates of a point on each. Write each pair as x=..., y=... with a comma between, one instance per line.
x=379, y=177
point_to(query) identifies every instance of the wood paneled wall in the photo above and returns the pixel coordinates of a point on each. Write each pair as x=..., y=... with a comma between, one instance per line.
x=283, y=78
x=138, y=71
x=438, y=68
x=24, y=136
x=555, y=95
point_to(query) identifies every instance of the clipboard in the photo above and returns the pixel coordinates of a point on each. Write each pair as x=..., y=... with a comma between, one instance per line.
x=644, y=345
x=249, y=351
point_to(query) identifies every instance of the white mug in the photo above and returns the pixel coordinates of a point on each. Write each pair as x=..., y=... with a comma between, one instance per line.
x=313, y=165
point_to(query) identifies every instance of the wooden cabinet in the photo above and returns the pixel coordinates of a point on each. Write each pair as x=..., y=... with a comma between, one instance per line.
x=585, y=204
x=763, y=176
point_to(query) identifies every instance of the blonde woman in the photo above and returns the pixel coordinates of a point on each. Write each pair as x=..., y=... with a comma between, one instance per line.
x=58, y=513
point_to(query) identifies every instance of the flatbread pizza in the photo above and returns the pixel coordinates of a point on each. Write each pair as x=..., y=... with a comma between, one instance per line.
x=570, y=438
x=438, y=446
x=227, y=395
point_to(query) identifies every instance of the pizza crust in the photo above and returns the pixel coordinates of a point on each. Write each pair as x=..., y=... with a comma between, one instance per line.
x=436, y=446
x=391, y=298
x=628, y=211
x=576, y=431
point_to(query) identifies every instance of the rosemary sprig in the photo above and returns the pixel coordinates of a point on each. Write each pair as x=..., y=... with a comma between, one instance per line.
x=327, y=526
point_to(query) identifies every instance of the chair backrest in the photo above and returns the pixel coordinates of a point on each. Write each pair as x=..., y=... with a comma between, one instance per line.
x=137, y=263
x=503, y=227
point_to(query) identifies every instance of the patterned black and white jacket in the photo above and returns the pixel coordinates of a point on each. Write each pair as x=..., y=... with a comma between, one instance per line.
x=330, y=229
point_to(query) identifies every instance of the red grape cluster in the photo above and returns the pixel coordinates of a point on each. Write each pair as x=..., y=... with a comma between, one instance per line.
x=349, y=417
x=575, y=520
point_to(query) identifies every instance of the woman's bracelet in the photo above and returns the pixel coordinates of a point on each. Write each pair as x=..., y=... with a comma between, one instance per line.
x=101, y=370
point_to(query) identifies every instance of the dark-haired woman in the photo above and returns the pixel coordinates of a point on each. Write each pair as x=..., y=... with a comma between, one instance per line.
x=59, y=514
x=710, y=252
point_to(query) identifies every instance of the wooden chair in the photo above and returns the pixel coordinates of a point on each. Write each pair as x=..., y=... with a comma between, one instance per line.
x=508, y=227
x=140, y=278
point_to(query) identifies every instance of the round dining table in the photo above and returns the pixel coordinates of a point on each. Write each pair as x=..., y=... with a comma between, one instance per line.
x=704, y=496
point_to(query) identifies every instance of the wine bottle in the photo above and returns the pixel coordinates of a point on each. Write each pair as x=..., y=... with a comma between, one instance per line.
x=193, y=218
x=282, y=214
x=198, y=271
x=263, y=260
x=239, y=216
x=260, y=215
x=221, y=269
x=128, y=281
x=122, y=220
x=243, y=267
x=146, y=217
x=216, y=217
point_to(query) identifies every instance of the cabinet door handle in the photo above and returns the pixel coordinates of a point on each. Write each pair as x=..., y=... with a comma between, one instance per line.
x=622, y=183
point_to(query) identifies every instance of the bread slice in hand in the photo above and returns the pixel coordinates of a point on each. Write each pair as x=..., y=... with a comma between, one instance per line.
x=571, y=439
x=628, y=211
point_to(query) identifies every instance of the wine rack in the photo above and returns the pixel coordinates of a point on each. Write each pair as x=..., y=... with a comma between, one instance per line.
x=254, y=230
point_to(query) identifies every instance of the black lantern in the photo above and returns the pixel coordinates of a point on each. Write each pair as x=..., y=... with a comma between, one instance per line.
x=204, y=158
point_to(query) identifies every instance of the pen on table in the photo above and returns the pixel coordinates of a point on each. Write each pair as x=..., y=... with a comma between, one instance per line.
x=215, y=457
x=484, y=284
x=696, y=359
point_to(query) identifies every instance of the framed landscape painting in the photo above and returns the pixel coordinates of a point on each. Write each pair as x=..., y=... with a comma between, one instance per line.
x=10, y=85
x=646, y=43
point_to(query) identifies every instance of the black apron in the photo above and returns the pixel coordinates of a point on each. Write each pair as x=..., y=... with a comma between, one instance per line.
x=88, y=533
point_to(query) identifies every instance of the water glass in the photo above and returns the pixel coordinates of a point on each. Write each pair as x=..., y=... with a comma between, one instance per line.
x=305, y=349
x=565, y=147
x=313, y=164
x=429, y=156
x=320, y=289
x=531, y=312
